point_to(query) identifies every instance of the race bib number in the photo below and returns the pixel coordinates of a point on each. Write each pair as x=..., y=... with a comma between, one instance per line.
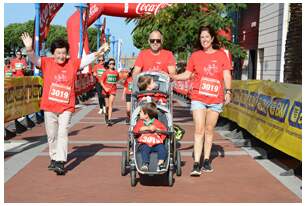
x=59, y=93
x=100, y=72
x=18, y=66
x=130, y=86
x=111, y=79
x=209, y=87
x=150, y=139
x=9, y=74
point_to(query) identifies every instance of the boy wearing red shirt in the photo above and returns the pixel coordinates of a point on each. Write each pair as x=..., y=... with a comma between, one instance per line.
x=109, y=84
x=151, y=142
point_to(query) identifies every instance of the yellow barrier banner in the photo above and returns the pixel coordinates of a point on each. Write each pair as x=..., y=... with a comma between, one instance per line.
x=21, y=96
x=272, y=112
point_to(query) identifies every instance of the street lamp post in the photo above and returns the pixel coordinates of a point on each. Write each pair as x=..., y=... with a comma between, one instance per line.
x=107, y=36
x=81, y=7
x=98, y=25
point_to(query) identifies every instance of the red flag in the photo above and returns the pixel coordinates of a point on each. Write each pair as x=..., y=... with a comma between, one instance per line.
x=47, y=13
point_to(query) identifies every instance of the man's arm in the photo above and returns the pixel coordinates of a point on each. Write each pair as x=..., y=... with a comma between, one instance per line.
x=136, y=71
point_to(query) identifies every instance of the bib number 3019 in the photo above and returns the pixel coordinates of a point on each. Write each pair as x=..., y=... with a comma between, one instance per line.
x=59, y=93
x=209, y=87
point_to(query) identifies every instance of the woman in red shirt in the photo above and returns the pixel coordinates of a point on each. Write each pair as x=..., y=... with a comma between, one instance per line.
x=109, y=84
x=211, y=68
x=58, y=98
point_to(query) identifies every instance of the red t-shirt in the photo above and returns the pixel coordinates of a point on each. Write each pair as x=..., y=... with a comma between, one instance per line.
x=98, y=71
x=150, y=62
x=7, y=71
x=18, y=65
x=208, y=84
x=128, y=84
x=109, y=79
x=58, y=89
x=151, y=139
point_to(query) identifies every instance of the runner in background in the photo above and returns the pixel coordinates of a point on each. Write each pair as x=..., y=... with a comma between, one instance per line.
x=211, y=89
x=98, y=71
x=18, y=65
x=58, y=97
x=156, y=58
x=127, y=92
x=7, y=68
x=109, y=81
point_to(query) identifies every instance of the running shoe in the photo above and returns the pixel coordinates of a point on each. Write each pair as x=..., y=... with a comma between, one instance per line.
x=104, y=110
x=196, y=171
x=59, y=168
x=145, y=167
x=207, y=166
x=161, y=168
x=52, y=165
x=109, y=123
x=100, y=111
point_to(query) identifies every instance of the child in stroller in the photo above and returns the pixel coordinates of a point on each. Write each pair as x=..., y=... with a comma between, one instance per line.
x=150, y=142
x=147, y=83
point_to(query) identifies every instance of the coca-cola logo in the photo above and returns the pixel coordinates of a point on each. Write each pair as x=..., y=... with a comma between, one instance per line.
x=149, y=8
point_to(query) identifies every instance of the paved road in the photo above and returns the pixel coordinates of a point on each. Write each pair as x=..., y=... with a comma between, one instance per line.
x=94, y=168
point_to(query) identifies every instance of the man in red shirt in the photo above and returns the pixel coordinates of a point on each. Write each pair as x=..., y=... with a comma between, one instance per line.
x=18, y=65
x=58, y=98
x=98, y=71
x=155, y=58
x=7, y=68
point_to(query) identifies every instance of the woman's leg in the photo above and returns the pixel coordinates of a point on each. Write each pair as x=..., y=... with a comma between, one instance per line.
x=110, y=105
x=211, y=121
x=51, y=125
x=99, y=92
x=199, y=121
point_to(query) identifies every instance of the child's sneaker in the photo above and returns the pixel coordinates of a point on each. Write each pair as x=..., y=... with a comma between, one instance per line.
x=161, y=168
x=207, y=166
x=196, y=171
x=145, y=167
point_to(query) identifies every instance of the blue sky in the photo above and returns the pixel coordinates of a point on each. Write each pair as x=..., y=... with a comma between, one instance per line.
x=22, y=12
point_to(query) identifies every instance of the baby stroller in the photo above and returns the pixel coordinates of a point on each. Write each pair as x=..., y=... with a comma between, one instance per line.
x=131, y=159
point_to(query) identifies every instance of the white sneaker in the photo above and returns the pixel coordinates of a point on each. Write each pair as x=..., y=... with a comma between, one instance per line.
x=100, y=111
x=104, y=110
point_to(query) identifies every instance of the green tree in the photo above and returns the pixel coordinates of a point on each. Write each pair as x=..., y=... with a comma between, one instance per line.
x=12, y=33
x=180, y=23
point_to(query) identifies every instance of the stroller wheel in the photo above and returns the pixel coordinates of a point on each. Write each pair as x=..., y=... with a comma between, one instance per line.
x=170, y=178
x=178, y=163
x=123, y=163
x=133, y=178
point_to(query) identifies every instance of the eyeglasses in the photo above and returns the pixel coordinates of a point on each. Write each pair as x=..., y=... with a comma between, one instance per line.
x=101, y=60
x=18, y=54
x=155, y=40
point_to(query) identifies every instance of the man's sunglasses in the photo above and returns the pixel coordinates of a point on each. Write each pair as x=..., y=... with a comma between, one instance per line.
x=155, y=40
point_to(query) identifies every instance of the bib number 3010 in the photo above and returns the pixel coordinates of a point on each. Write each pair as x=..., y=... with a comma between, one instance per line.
x=59, y=93
x=209, y=87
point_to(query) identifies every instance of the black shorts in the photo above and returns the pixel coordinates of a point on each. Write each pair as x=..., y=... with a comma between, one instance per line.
x=128, y=97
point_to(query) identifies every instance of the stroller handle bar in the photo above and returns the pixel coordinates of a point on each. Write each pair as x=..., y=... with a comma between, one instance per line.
x=150, y=92
x=150, y=132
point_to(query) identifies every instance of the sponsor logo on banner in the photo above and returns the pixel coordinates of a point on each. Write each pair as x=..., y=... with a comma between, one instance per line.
x=149, y=8
x=47, y=13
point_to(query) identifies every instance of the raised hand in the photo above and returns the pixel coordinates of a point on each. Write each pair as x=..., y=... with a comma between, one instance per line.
x=27, y=41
